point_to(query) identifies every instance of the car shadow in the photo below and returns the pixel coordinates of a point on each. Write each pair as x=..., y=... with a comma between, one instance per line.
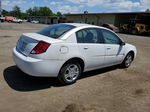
x=20, y=81
x=99, y=71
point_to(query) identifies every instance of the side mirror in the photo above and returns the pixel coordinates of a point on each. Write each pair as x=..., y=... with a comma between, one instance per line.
x=122, y=43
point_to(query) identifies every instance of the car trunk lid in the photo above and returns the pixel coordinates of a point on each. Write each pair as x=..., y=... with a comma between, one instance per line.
x=28, y=41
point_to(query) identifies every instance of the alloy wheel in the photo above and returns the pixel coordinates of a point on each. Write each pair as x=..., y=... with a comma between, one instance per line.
x=71, y=73
x=128, y=60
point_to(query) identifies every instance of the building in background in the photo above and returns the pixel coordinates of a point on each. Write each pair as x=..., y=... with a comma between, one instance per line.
x=111, y=18
x=96, y=18
x=48, y=19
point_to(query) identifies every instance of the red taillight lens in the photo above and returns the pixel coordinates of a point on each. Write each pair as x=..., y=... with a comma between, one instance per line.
x=41, y=47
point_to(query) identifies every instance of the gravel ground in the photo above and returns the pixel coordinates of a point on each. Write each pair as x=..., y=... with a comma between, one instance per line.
x=106, y=90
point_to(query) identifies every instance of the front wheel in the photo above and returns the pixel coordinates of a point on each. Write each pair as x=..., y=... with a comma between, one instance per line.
x=127, y=61
x=70, y=72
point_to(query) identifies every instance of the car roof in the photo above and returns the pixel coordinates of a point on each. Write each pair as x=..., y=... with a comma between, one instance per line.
x=77, y=25
x=80, y=24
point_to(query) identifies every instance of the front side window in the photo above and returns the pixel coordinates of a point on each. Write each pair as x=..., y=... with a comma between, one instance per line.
x=110, y=38
x=55, y=31
x=89, y=35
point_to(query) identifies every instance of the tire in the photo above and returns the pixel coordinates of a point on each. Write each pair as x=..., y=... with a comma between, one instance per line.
x=127, y=61
x=69, y=73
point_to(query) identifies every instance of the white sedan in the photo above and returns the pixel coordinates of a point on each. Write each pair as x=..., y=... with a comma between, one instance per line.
x=67, y=50
x=34, y=21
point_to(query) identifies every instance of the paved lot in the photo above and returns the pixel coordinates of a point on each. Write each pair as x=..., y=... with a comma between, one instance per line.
x=106, y=90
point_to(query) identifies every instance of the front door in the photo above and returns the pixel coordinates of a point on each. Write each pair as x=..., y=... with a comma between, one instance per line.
x=114, y=52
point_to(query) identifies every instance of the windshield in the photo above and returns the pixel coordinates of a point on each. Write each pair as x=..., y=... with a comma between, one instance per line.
x=55, y=31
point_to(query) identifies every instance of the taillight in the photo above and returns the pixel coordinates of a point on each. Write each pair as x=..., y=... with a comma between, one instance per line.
x=41, y=47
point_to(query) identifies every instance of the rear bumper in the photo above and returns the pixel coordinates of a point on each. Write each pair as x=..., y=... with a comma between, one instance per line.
x=37, y=67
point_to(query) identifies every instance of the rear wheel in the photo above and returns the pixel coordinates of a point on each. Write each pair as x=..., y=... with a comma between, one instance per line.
x=70, y=72
x=128, y=60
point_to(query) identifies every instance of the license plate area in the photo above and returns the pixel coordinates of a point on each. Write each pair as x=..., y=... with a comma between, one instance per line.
x=22, y=46
x=25, y=45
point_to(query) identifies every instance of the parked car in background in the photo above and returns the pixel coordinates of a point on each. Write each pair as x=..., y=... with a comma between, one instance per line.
x=111, y=27
x=66, y=50
x=2, y=19
x=13, y=19
x=9, y=19
x=34, y=21
x=17, y=20
x=24, y=20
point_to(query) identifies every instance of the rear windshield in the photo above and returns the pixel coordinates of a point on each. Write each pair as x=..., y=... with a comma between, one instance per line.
x=55, y=31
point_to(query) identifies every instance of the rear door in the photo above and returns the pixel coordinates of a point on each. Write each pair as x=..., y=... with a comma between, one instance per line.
x=114, y=52
x=90, y=45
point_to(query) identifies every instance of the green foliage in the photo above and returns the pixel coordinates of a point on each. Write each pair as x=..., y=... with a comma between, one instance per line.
x=59, y=14
x=39, y=11
x=29, y=12
x=24, y=16
x=35, y=11
x=45, y=11
x=147, y=10
x=16, y=12
x=5, y=13
x=54, y=14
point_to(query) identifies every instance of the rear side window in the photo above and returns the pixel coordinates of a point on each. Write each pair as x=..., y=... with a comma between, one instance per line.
x=110, y=38
x=89, y=35
x=55, y=31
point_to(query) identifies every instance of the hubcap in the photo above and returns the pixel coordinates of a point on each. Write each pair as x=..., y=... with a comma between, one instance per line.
x=72, y=72
x=128, y=60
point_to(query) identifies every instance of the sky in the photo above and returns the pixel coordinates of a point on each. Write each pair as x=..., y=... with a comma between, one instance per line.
x=79, y=6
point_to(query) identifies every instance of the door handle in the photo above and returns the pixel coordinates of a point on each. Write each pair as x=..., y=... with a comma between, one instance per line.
x=108, y=48
x=85, y=48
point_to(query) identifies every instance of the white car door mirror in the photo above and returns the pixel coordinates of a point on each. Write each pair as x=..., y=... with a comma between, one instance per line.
x=122, y=43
